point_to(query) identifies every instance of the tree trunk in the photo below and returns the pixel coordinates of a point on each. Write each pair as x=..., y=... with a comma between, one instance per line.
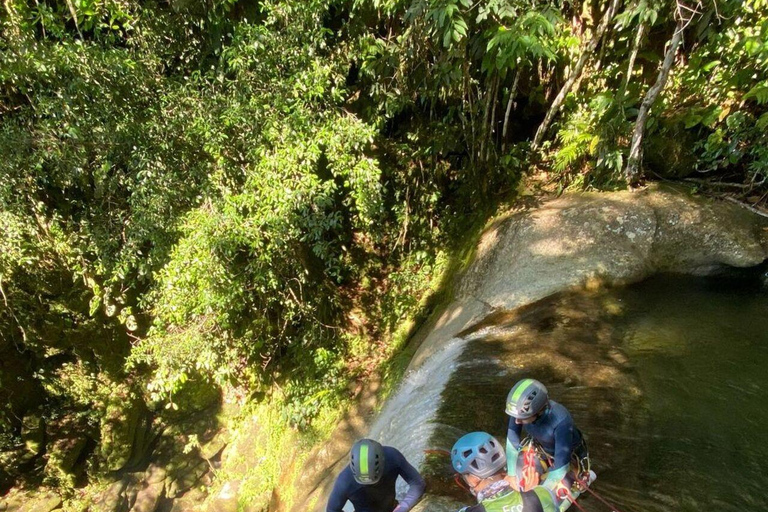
x=485, y=127
x=575, y=73
x=633, y=56
x=510, y=102
x=636, y=149
x=492, y=125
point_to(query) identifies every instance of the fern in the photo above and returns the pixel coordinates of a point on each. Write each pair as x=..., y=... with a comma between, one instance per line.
x=759, y=93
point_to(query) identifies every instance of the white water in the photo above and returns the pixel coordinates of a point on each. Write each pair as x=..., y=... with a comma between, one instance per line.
x=407, y=419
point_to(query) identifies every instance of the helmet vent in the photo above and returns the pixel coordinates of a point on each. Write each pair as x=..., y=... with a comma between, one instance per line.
x=466, y=453
x=494, y=457
x=483, y=450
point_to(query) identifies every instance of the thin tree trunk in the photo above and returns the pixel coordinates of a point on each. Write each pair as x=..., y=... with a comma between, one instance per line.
x=510, y=102
x=73, y=12
x=575, y=73
x=636, y=149
x=492, y=125
x=468, y=92
x=485, y=132
x=633, y=55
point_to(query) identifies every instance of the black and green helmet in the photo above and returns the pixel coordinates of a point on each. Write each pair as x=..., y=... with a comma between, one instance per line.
x=367, y=461
x=526, y=399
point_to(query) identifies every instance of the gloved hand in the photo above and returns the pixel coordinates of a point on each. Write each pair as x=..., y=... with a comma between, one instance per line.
x=400, y=508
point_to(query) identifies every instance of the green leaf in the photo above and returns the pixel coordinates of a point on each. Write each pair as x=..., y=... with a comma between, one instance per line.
x=759, y=93
x=762, y=122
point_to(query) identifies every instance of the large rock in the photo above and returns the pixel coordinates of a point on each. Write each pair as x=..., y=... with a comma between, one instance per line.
x=192, y=500
x=126, y=431
x=184, y=472
x=227, y=498
x=151, y=491
x=115, y=499
x=67, y=445
x=620, y=238
x=41, y=501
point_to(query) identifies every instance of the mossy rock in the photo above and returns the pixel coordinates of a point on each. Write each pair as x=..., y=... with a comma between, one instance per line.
x=183, y=473
x=33, y=432
x=113, y=499
x=215, y=446
x=14, y=462
x=126, y=431
x=44, y=501
x=63, y=453
x=227, y=498
x=151, y=490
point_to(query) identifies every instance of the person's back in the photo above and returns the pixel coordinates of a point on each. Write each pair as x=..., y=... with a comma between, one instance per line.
x=375, y=494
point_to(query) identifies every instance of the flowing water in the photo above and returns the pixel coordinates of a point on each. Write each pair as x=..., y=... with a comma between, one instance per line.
x=667, y=379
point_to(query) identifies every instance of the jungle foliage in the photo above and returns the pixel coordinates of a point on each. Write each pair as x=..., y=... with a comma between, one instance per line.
x=258, y=192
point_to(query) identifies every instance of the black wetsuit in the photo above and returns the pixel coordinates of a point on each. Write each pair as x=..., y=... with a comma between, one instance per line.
x=378, y=497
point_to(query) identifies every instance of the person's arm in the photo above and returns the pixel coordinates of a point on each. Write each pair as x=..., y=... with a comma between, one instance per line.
x=338, y=497
x=415, y=483
x=563, y=444
x=513, y=445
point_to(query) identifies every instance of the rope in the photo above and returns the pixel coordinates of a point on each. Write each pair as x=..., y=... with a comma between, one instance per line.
x=461, y=483
x=603, y=500
x=573, y=500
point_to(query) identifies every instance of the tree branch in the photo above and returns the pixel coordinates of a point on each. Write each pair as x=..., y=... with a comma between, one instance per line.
x=575, y=73
x=632, y=173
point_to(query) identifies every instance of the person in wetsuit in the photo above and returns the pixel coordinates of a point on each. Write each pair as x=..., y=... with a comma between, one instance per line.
x=369, y=480
x=480, y=459
x=550, y=425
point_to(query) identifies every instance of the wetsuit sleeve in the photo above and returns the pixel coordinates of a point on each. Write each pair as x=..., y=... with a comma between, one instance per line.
x=513, y=445
x=338, y=497
x=563, y=444
x=415, y=483
x=513, y=433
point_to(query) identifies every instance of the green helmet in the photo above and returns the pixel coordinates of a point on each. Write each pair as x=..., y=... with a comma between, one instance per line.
x=366, y=460
x=526, y=399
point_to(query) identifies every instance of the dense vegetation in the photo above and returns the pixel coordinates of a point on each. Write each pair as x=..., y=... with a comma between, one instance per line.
x=225, y=192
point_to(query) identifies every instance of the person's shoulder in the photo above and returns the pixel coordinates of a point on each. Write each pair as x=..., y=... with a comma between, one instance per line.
x=345, y=478
x=559, y=408
x=560, y=413
x=394, y=453
x=394, y=458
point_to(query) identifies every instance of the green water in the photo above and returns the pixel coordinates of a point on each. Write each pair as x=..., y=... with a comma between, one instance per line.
x=666, y=379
